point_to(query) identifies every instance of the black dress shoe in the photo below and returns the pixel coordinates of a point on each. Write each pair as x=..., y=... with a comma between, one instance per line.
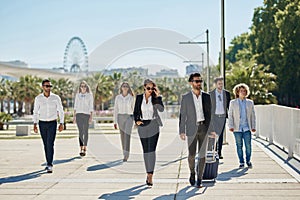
x=192, y=179
x=125, y=158
x=221, y=157
x=199, y=183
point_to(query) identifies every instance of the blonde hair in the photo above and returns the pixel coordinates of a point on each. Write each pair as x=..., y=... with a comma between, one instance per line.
x=237, y=88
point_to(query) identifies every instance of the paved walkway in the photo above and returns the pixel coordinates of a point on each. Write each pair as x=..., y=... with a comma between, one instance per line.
x=103, y=175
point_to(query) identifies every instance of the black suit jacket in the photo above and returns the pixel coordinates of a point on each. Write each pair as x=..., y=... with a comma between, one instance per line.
x=157, y=106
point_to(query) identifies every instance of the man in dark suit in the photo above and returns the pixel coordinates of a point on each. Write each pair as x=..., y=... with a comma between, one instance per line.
x=220, y=99
x=194, y=124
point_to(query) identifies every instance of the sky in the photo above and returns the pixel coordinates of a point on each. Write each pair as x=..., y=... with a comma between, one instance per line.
x=37, y=31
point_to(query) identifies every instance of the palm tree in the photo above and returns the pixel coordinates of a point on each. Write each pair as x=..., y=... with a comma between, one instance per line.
x=115, y=78
x=179, y=87
x=135, y=81
x=165, y=85
x=64, y=88
x=28, y=88
x=14, y=93
x=9, y=93
x=104, y=90
x=3, y=93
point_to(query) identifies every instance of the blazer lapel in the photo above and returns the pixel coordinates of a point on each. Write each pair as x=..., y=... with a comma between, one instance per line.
x=224, y=101
x=192, y=103
x=214, y=101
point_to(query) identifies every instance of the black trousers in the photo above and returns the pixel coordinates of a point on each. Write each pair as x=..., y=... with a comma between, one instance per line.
x=48, y=133
x=149, y=134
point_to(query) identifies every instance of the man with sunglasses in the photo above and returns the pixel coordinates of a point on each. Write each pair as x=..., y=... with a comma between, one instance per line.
x=220, y=99
x=194, y=124
x=46, y=108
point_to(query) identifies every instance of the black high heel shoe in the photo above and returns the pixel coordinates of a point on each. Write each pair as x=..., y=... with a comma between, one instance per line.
x=148, y=183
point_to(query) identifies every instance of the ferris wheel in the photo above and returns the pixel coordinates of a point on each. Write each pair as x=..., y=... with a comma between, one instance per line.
x=76, y=57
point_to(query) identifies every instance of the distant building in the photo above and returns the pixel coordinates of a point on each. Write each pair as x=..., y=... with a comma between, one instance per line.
x=192, y=68
x=167, y=73
x=16, y=63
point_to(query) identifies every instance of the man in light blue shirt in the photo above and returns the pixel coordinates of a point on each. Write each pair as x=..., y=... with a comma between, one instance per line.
x=243, y=116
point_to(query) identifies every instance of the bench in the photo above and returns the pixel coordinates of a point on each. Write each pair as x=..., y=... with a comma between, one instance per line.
x=103, y=119
x=20, y=122
x=23, y=127
x=23, y=130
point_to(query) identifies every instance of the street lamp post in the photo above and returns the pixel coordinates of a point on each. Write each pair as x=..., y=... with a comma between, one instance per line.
x=222, y=64
x=207, y=50
x=208, y=69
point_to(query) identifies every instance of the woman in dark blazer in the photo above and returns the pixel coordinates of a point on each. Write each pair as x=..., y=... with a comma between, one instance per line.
x=148, y=121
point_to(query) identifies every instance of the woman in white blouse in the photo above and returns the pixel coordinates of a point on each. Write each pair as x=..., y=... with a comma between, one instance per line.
x=123, y=116
x=146, y=117
x=83, y=113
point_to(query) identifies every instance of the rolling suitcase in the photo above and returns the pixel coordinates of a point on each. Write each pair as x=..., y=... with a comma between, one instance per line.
x=212, y=161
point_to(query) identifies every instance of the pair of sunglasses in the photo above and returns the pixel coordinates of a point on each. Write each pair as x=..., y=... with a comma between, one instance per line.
x=198, y=81
x=149, y=88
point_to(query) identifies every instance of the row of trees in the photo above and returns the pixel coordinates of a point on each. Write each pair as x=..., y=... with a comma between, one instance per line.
x=270, y=50
x=104, y=89
x=26, y=89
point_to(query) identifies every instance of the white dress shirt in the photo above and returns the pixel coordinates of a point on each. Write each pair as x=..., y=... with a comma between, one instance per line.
x=123, y=105
x=84, y=103
x=198, y=107
x=219, y=103
x=47, y=108
x=147, y=108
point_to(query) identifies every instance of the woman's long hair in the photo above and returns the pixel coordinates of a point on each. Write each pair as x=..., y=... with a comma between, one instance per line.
x=87, y=87
x=129, y=88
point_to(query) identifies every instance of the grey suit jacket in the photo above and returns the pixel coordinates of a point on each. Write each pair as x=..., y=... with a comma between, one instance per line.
x=234, y=114
x=226, y=101
x=188, y=117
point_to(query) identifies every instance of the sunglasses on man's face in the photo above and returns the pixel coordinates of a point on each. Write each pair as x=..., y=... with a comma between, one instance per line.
x=149, y=88
x=198, y=81
x=48, y=86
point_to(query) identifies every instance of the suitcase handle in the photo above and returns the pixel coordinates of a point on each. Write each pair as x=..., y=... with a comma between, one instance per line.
x=215, y=138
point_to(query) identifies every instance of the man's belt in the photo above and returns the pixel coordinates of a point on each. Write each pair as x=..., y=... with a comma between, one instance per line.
x=200, y=123
x=221, y=115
